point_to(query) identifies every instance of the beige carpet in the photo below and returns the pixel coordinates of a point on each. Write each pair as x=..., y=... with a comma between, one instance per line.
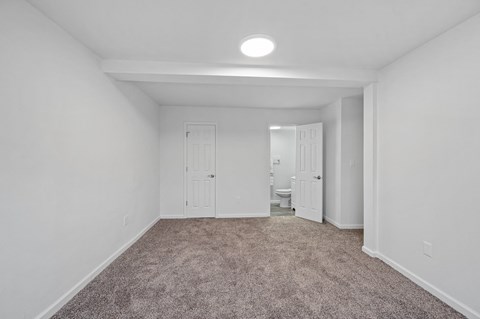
x=279, y=267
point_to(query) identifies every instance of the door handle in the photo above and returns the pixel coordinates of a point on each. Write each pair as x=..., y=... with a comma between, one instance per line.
x=211, y=176
x=317, y=177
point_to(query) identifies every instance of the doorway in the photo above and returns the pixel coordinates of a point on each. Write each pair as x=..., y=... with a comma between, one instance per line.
x=282, y=169
x=200, y=170
x=296, y=171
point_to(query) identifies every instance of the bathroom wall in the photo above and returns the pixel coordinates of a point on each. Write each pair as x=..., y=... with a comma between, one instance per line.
x=282, y=146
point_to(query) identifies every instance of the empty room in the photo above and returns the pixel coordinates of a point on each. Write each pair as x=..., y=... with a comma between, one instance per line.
x=239, y=159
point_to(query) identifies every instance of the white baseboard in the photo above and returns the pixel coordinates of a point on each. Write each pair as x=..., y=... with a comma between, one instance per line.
x=440, y=294
x=248, y=215
x=60, y=302
x=331, y=221
x=369, y=252
x=343, y=226
x=172, y=217
x=243, y=215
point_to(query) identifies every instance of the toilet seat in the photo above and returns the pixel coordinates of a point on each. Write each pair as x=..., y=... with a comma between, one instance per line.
x=284, y=191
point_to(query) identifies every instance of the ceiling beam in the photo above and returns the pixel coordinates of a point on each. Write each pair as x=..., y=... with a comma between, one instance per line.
x=169, y=72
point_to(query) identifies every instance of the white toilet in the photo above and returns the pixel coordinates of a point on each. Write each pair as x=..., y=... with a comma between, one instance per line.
x=284, y=195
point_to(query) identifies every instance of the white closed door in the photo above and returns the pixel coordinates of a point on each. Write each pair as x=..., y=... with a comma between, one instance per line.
x=309, y=172
x=200, y=170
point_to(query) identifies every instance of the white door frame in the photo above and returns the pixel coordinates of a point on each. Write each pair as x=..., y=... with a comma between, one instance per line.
x=269, y=142
x=185, y=146
x=370, y=171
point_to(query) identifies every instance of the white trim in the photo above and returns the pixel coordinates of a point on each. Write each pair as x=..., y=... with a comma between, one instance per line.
x=343, y=226
x=370, y=167
x=274, y=201
x=185, y=125
x=369, y=252
x=331, y=221
x=437, y=292
x=185, y=143
x=60, y=302
x=338, y=159
x=250, y=215
x=172, y=217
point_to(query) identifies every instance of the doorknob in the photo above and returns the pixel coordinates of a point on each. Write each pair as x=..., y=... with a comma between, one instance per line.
x=317, y=177
x=211, y=176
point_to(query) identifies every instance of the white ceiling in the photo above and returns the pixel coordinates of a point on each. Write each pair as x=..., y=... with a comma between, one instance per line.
x=340, y=33
x=360, y=34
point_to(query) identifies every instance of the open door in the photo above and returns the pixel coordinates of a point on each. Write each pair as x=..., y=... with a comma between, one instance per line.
x=309, y=172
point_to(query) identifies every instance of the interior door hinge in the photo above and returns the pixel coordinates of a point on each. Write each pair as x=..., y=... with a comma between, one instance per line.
x=186, y=203
x=186, y=168
x=186, y=134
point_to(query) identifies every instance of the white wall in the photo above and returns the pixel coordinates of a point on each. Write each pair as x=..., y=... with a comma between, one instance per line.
x=76, y=155
x=343, y=162
x=331, y=156
x=282, y=146
x=352, y=162
x=429, y=174
x=243, y=156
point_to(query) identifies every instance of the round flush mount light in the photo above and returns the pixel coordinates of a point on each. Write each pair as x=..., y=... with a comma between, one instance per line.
x=257, y=45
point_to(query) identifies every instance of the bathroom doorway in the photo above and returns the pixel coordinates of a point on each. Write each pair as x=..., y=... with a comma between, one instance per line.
x=282, y=169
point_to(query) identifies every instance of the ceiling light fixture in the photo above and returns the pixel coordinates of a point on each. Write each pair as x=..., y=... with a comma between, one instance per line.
x=275, y=127
x=257, y=45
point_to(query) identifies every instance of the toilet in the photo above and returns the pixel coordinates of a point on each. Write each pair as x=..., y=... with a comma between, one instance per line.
x=284, y=195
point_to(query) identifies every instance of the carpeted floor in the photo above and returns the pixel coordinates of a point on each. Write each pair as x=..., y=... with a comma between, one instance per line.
x=279, y=267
